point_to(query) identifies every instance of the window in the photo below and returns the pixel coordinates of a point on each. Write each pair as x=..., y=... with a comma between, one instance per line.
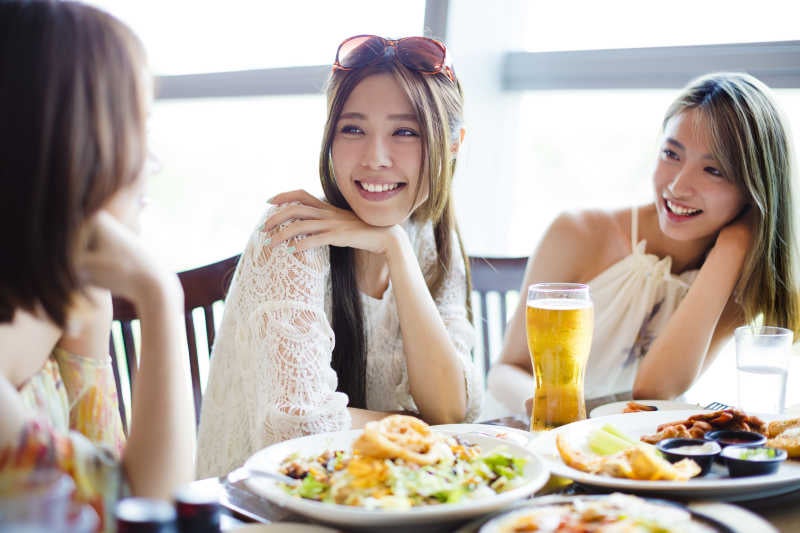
x=184, y=36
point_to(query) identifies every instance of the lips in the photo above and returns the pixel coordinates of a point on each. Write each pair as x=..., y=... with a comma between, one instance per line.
x=680, y=210
x=378, y=191
x=378, y=187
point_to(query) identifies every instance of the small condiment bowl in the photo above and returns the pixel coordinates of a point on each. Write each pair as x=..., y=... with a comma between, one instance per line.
x=700, y=451
x=733, y=437
x=744, y=460
x=729, y=437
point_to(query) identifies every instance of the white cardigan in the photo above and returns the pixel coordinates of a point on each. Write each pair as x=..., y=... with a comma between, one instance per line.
x=271, y=377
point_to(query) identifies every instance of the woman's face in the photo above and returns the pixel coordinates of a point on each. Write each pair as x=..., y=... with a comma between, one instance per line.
x=693, y=199
x=127, y=203
x=377, y=152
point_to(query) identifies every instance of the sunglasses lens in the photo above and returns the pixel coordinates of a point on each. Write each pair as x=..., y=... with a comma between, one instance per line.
x=360, y=50
x=419, y=53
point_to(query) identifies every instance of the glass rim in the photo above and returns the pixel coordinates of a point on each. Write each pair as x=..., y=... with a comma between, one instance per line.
x=558, y=287
x=762, y=331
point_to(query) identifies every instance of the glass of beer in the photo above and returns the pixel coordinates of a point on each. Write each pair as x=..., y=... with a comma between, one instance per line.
x=559, y=321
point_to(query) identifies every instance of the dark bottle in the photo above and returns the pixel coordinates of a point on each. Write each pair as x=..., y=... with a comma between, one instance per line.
x=145, y=515
x=197, y=508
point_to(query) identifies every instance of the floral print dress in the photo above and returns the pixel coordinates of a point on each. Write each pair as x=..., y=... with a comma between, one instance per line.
x=76, y=429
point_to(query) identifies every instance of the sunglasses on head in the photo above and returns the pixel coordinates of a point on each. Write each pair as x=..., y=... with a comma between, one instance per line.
x=420, y=54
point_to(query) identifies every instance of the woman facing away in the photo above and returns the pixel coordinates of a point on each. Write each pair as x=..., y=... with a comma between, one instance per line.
x=671, y=280
x=378, y=266
x=74, y=99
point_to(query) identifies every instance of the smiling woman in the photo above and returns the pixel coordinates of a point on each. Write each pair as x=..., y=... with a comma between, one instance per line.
x=672, y=279
x=376, y=266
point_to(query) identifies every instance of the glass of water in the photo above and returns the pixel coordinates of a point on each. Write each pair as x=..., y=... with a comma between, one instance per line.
x=762, y=364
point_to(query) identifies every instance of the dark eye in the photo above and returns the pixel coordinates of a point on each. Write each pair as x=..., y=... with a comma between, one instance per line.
x=669, y=154
x=713, y=171
x=406, y=132
x=348, y=129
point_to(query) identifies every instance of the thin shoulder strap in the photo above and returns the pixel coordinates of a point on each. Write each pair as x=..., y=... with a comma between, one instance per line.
x=634, y=227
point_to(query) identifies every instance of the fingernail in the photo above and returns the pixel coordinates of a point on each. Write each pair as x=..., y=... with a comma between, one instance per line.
x=267, y=241
x=270, y=200
x=290, y=249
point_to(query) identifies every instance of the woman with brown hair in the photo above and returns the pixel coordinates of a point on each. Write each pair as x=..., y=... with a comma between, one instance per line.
x=378, y=266
x=74, y=97
x=672, y=279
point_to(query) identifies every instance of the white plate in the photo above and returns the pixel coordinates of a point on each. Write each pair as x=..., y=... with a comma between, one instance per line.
x=535, y=476
x=283, y=527
x=715, y=485
x=616, y=408
x=517, y=436
x=497, y=523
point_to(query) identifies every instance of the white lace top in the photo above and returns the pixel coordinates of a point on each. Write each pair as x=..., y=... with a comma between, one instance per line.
x=271, y=377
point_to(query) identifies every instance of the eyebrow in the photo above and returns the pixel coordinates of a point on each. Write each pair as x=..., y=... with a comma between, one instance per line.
x=362, y=116
x=680, y=146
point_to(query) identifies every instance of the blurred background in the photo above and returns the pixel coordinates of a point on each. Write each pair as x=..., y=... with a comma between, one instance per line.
x=564, y=102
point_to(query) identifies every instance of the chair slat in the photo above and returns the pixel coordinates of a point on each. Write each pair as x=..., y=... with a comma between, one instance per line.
x=201, y=287
x=194, y=367
x=495, y=274
x=118, y=382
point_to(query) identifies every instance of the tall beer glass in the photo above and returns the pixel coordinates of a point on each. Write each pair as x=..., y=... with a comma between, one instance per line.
x=559, y=323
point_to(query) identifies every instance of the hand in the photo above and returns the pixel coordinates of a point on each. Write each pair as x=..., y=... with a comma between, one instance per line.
x=115, y=260
x=738, y=233
x=310, y=223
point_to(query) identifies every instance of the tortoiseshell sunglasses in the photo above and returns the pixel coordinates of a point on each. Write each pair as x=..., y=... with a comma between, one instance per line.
x=421, y=54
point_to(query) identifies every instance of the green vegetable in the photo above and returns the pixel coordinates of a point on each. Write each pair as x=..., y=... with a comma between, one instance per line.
x=755, y=454
x=505, y=465
x=311, y=488
x=609, y=440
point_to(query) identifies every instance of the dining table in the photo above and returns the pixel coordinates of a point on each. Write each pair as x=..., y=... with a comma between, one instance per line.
x=241, y=506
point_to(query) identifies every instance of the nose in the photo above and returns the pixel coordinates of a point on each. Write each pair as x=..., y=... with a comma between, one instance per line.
x=376, y=154
x=682, y=184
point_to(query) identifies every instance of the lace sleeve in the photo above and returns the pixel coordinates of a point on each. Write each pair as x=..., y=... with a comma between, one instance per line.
x=270, y=377
x=451, y=302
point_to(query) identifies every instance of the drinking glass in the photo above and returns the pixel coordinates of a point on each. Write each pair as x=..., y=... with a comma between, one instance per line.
x=559, y=322
x=40, y=501
x=762, y=364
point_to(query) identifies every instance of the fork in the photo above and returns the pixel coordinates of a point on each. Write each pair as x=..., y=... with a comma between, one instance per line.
x=243, y=473
x=716, y=406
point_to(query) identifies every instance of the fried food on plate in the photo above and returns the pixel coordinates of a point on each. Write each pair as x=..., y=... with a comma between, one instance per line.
x=785, y=434
x=401, y=437
x=637, y=462
x=696, y=426
x=636, y=407
x=777, y=427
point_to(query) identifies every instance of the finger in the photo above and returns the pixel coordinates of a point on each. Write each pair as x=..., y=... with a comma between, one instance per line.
x=303, y=228
x=312, y=241
x=299, y=195
x=290, y=213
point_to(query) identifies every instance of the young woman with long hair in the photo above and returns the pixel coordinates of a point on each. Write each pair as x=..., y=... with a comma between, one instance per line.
x=345, y=309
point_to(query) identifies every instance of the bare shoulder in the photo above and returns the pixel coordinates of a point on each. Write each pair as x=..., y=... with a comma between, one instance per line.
x=591, y=229
x=578, y=243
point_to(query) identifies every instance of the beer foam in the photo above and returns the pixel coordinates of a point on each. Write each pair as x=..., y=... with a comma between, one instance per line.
x=560, y=303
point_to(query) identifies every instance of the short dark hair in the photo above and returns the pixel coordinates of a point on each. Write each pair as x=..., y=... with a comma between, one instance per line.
x=73, y=111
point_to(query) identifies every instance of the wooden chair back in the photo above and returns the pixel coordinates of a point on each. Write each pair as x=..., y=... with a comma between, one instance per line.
x=494, y=275
x=202, y=288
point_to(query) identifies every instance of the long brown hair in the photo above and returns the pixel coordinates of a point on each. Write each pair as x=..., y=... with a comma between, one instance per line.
x=750, y=140
x=73, y=101
x=438, y=104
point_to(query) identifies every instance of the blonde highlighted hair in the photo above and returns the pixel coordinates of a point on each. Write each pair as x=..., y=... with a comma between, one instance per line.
x=751, y=141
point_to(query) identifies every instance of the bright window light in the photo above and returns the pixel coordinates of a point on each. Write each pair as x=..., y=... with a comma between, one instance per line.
x=581, y=25
x=184, y=36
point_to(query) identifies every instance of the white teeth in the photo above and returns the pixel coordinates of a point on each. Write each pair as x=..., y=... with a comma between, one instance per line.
x=379, y=187
x=678, y=210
